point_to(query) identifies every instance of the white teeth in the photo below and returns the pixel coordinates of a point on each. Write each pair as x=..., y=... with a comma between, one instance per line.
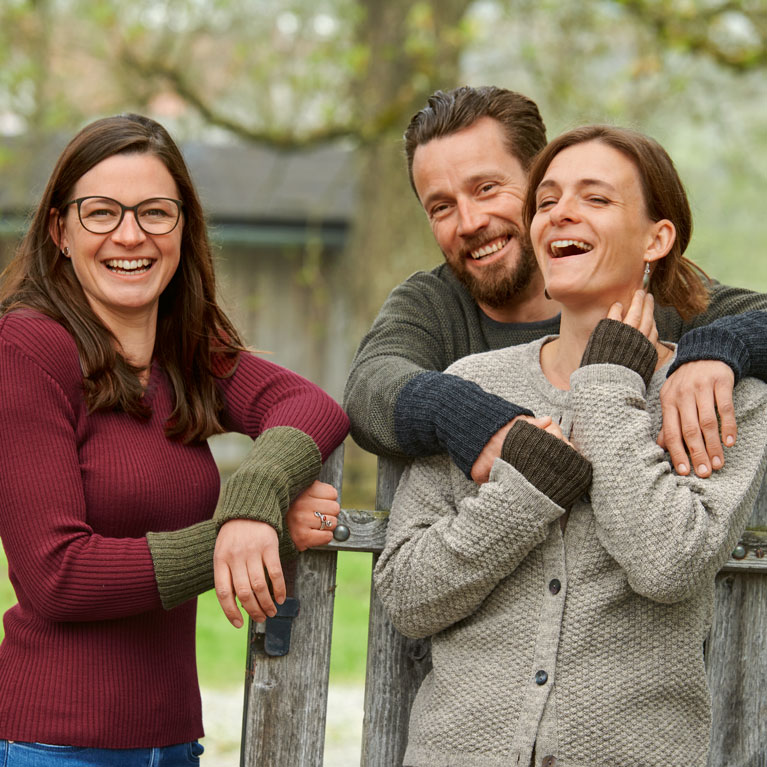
x=486, y=250
x=584, y=247
x=128, y=265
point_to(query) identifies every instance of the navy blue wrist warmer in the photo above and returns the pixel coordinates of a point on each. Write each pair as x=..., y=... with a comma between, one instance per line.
x=439, y=412
x=740, y=341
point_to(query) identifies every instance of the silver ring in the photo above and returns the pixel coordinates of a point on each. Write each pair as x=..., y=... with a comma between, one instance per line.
x=324, y=521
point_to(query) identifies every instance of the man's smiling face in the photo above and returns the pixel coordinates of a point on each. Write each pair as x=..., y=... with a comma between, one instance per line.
x=473, y=189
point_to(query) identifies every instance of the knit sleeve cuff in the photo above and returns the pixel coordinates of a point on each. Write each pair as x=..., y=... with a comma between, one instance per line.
x=548, y=463
x=437, y=412
x=617, y=343
x=282, y=462
x=183, y=562
x=711, y=342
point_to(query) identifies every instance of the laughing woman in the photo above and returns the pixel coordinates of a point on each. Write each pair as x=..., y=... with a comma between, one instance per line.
x=568, y=598
x=116, y=365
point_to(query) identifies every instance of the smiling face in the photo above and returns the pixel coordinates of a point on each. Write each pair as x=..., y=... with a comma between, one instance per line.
x=591, y=232
x=472, y=189
x=122, y=273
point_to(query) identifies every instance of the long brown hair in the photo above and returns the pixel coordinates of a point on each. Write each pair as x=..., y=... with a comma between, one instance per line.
x=675, y=281
x=195, y=342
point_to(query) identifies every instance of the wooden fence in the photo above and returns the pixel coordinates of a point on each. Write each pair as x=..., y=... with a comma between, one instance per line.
x=286, y=697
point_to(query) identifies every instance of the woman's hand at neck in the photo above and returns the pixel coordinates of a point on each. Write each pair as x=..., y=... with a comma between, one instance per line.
x=562, y=357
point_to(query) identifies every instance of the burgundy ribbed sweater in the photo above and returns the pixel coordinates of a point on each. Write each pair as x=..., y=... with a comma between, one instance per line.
x=90, y=657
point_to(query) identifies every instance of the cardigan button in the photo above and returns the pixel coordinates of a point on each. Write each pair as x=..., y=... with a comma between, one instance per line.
x=585, y=498
x=554, y=586
x=541, y=677
x=549, y=761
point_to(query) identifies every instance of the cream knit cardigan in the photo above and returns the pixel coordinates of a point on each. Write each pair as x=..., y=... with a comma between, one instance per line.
x=608, y=668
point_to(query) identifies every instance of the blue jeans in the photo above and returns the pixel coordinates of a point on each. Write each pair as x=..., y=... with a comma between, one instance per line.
x=16, y=754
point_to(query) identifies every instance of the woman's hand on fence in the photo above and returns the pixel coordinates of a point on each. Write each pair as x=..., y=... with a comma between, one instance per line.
x=246, y=552
x=313, y=516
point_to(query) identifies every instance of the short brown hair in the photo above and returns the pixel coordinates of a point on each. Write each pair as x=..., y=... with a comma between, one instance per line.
x=447, y=112
x=194, y=336
x=676, y=281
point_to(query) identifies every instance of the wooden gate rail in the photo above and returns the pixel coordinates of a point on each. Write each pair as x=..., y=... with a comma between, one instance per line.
x=286, y=698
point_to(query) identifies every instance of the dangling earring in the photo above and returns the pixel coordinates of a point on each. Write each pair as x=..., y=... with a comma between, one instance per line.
x=646, y=278
x=65, y=252
x=546, y=293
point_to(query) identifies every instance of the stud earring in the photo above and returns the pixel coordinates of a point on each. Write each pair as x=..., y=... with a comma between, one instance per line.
x=65, y=252
x=646, y=278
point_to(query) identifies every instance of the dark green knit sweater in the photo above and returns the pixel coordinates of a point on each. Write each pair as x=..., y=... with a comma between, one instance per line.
x=401, y=403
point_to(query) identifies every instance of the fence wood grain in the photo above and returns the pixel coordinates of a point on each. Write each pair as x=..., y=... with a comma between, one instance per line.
x=736, y=654
x=286, y=697
x=396, y=664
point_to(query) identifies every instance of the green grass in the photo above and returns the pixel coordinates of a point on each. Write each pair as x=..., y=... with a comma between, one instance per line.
x=221, y=648
x=7, y=596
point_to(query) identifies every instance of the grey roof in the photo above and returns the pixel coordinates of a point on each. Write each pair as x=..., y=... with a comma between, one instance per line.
x=236, y=182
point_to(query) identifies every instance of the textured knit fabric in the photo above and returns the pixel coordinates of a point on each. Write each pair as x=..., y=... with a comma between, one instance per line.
x=547, y=463
x=446, y=410
x=740, y=341
x=90, y=657
x=430, y=321
x=614, y=342
x=182, y=561
x=282, y=463
x=587, y=644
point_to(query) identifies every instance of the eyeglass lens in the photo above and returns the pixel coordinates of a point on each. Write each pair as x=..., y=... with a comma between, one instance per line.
x=102, y=214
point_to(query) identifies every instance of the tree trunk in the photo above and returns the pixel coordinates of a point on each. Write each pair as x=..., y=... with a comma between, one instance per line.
x=414, y=49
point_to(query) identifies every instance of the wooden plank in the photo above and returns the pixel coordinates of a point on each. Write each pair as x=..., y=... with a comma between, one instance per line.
x=368, y=533
x=736, y=657
x=286, y=698
x=396, y=665
x=367, y=528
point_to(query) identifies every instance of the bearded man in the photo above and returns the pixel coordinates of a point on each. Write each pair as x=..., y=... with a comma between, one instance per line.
x=468, y=153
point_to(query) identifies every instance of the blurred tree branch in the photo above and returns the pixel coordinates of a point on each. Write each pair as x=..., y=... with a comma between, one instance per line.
x=732, y=33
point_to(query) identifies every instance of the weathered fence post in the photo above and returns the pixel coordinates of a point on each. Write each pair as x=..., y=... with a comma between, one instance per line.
x=736, y=651
x=396, y=665
x=286, y=697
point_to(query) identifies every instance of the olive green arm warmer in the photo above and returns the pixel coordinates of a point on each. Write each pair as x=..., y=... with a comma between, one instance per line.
x=281, y=464
x=183, y=562
x=550, y=464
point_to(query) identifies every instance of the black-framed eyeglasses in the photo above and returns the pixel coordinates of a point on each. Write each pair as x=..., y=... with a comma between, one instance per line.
x=101, y=215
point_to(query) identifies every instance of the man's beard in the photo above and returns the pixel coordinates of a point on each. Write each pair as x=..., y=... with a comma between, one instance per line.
x=499, y=284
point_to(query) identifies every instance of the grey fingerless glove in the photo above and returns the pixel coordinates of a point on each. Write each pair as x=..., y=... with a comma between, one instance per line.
x=617, y=343
x=551, y=465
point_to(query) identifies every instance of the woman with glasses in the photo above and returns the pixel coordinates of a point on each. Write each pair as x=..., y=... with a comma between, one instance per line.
x=568, y=598
x=116, y=365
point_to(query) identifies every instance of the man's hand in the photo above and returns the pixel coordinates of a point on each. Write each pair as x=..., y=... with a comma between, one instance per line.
x=306, y=528
x=246, y=551
x=480, y=471
x=691, y=398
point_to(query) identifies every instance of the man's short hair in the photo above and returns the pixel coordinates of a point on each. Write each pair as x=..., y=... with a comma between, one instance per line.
x=448, y=112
